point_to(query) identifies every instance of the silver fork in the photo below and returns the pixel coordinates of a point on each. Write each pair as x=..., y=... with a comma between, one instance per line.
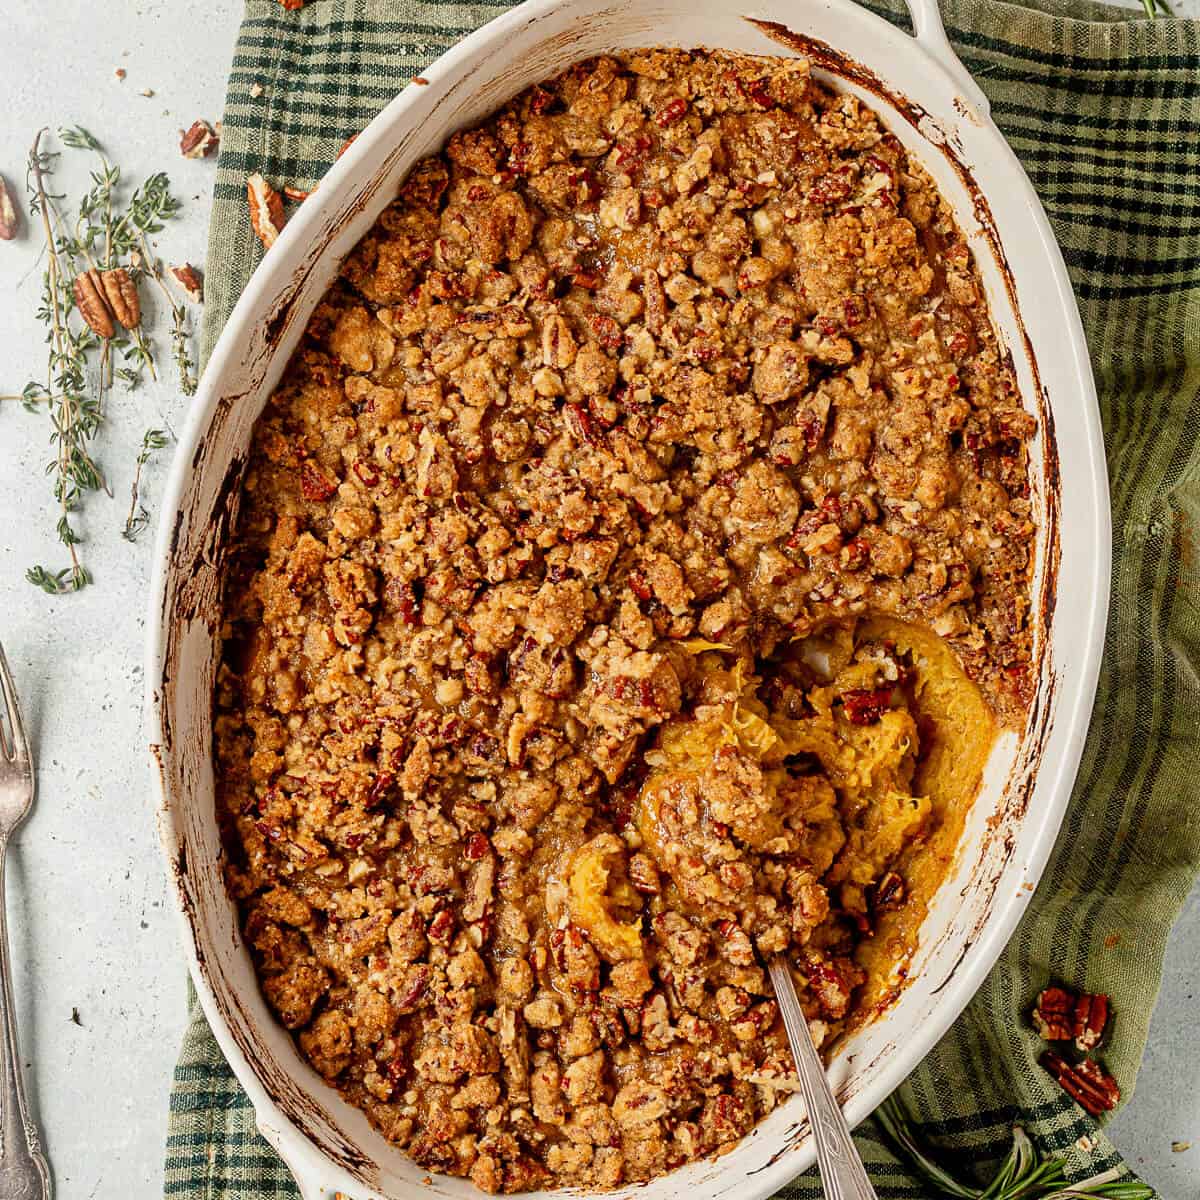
x=24, y=1174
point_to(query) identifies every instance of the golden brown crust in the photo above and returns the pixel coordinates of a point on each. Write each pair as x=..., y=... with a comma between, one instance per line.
x=675, y=348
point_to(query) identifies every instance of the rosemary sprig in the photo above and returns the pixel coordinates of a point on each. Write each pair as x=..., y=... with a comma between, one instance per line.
x=80, y=369
x=139, y=518
x=1023, y=1175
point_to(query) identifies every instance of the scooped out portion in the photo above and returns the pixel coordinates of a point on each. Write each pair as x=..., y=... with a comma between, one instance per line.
x=803, y=808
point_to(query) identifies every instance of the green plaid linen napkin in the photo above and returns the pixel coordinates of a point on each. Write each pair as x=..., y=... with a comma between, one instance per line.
x=1104, y=111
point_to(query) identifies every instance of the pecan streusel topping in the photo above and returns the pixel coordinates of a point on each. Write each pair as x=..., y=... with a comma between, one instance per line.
x=569, y=662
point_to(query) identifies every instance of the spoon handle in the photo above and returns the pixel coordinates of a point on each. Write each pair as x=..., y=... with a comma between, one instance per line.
x=843, y=1175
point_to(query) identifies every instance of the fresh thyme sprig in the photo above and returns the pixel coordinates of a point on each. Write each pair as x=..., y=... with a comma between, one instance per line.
x=1157, y=8
x=75, y=410
x=149, y=207
x=139, y=518
x=152, y=267
x=1023, y=1175
x=107, y=232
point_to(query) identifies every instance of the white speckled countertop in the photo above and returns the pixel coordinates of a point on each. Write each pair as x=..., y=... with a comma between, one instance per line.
x=90, y=929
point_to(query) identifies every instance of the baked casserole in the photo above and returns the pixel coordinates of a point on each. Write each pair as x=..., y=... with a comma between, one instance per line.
x=633, y=570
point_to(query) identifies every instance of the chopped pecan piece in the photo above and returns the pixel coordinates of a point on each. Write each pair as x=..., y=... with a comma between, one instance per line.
x=199, y=140
x=476, y=848
x=1089, y=1084
x=413, y=989
x=855, y=553
x=643, y=874
x=266, y=209
x=441, y=928
x=8, y=214
x=889, y=892
x=191, y=281
x=866, y=707
x=671, y=112
x=315, y=484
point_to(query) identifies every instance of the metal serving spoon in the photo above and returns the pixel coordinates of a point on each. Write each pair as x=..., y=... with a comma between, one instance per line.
x=843, y=1175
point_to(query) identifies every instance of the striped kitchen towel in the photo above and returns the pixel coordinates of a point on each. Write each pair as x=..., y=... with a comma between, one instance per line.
x=1104, y=111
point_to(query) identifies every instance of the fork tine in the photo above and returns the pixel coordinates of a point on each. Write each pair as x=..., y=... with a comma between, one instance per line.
x=20, y=749
x=6, y=748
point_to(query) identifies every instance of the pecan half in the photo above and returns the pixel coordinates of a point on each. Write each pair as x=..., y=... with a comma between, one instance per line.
x=191, y=281
x=1088, y=1083
x=266, y=209
x=199, y=140
x=89, y=299
x=121, y=293
x=1091, y=1018
x=8, y=214
x=1061, y=1015
x=1053, y=1015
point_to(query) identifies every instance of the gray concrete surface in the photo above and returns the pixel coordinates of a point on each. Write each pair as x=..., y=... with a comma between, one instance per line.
x=1159, y=1129
x=90, y=929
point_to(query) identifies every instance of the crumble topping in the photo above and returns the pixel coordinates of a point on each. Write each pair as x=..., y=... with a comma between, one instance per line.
x=640, y=407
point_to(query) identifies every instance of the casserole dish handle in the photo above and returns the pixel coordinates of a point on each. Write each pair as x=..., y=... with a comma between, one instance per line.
x=931, y=34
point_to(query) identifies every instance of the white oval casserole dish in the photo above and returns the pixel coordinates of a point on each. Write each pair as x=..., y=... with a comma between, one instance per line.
x=929, y=101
